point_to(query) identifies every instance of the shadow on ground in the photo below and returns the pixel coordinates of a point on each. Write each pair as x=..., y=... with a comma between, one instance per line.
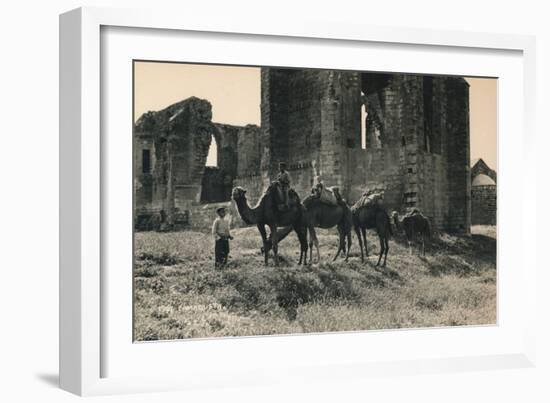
x=49, y=379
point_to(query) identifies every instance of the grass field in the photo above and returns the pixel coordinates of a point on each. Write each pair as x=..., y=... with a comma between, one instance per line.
x=179, y=294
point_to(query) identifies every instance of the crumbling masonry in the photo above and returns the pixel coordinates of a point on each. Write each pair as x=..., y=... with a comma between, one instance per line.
x=484, y=194
x=415, y=146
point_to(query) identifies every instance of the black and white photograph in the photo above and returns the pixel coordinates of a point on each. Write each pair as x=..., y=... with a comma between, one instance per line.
x=272, y=201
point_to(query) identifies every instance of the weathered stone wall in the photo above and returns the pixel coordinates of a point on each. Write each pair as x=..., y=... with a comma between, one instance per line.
x=217, y=181
x=180, y=135
x=417, y=144
x=309, y=118
x=227, y=140
x=394, y=126
x=249, y=150
x=417, y=155
x=143, y=179
x=216, y=185
x=341, y=128
x=417, y=140
x=484, y=205
x=202, y=216
x=291, y=124
x=457, y=128
x=172, y=180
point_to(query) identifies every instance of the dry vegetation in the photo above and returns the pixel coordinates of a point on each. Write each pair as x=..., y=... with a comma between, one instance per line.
x=179, y=294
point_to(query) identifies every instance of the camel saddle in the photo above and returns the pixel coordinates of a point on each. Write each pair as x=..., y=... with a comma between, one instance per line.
x=370, y=199
x=330, y=195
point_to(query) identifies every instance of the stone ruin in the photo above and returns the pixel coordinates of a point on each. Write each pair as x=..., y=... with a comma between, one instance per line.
x=170, y=177
x=402, y=133
x=484, y=194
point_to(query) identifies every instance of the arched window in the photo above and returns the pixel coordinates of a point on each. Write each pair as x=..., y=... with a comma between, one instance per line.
x=363, y=123
x=212, y=158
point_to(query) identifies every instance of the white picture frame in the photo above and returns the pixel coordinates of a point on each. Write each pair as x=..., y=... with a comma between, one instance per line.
x=85, y=343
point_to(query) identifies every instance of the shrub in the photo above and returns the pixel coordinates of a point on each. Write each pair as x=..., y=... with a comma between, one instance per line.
x=163, y=258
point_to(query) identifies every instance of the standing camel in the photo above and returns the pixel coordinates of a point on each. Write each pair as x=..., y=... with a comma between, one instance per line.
x=323, y=215
x=372, y=217
x=267, y=213
x=415, y=225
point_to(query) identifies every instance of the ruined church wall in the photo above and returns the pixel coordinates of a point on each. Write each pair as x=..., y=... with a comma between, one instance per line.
x=227, y=141
x=421, y=156
x=341, y=128
x=484, y=205
x=458, y=155
x=143, y=181
x=378, y=170
x=432, y=161
x=249, y=150
x=310, y=118
x=389, y=163
x=291, y=125
x=303, y=120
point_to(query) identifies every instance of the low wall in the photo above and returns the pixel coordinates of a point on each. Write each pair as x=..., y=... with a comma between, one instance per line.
x=484, y=205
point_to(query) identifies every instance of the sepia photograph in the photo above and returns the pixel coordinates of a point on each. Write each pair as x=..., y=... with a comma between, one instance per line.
x=277, y=200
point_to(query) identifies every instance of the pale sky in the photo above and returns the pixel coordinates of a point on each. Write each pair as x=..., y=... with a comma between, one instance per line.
x=234, y=93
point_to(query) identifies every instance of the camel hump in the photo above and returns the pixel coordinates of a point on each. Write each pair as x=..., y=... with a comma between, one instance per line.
x=414, y=212
x=293, y=194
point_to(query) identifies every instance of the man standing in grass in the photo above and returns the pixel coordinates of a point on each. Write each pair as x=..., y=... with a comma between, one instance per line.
x=222, y=235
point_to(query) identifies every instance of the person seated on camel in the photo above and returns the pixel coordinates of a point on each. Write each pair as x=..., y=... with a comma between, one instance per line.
x=284, y=179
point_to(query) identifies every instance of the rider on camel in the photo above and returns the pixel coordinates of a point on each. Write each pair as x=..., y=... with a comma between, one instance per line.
x=284, y=179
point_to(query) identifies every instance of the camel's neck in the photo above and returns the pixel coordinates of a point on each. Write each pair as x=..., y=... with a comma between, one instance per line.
x=247, y=214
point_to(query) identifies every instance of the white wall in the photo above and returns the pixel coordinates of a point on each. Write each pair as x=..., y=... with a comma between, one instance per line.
x=29, y=202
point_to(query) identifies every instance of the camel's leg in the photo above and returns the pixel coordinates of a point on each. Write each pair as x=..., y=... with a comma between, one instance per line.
x=337, y=252
x=301, y=251
x=381, y=249
x=265, y=248
x=311, y=237
x=358, y=233
x=364, y=233
x=314, y=241
x=341, y=245
x=302, y=237
x=350, y=240
x=274, y=243
x=386, y=249
x=349, y=245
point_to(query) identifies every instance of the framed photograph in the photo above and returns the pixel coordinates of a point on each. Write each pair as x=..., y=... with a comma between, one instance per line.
x=243, y=203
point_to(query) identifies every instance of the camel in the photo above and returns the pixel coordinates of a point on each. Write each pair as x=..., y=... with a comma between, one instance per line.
x=323, y=215
x=267, y=213
x=372, y=217
x=414, y=224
